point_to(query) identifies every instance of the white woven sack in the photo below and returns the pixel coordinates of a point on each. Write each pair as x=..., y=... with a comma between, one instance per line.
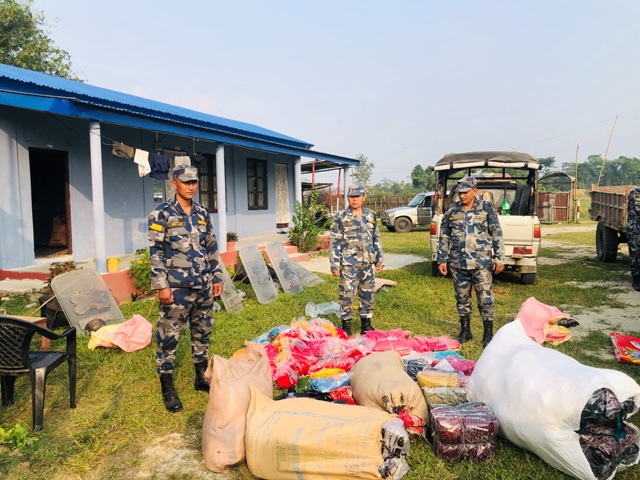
x=538, y=395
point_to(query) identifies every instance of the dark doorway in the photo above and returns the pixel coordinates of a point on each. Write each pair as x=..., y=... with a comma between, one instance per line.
x=50, y=202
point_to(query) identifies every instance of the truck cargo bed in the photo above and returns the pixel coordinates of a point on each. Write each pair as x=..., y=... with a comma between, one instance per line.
x=609, y=205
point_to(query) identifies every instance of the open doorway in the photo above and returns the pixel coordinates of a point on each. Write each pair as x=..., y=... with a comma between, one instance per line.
x=49, y=171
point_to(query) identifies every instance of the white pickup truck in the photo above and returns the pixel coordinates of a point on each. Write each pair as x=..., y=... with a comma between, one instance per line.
x=499, y=174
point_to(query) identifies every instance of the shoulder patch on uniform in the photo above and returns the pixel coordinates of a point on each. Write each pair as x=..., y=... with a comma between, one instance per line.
x=156, y=226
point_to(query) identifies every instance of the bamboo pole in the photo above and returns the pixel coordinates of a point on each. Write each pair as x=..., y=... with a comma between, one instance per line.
x=575, y=189
x=607, y=150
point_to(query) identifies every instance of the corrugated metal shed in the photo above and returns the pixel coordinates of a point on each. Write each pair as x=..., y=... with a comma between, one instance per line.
x=27, y=89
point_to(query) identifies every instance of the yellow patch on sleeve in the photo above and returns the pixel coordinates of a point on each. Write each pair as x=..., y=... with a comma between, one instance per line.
x=201, y=222
x=155, y=226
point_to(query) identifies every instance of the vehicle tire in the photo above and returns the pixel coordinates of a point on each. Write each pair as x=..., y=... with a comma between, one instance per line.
x=402, y=225
x=528, y=278
x=606, y=243
x=391, y=229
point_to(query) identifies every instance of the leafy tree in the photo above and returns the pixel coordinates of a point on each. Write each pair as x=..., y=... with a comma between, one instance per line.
x=362, y=173
x=621, y=171
x=423, y=179
x=546, y=164
x=25, y=43
x=389, y=186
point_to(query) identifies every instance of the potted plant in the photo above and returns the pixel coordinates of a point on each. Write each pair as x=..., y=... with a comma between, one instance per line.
x=232, y=238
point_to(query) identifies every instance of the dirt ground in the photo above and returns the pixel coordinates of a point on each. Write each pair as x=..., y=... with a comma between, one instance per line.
x=606, y=320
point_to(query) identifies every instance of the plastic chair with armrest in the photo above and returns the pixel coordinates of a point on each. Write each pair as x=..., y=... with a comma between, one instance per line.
x=16, y=359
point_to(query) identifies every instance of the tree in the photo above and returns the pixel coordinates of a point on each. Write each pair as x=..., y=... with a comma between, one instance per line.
x=546, y=164
x=389, y=186
x=423, y=179
x=24, y=41
x=362, y=173
x=621, y=171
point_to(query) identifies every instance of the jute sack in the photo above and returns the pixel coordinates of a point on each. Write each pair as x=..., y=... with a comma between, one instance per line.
x=380, y=381
x=224, y=421
x=305, y=438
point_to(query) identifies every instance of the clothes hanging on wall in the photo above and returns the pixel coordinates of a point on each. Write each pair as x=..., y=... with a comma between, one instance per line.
x=142, y=159
x=122, y=150
x=159, y=166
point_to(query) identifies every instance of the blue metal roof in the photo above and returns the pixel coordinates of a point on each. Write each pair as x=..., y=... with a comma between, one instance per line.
x=27, y=89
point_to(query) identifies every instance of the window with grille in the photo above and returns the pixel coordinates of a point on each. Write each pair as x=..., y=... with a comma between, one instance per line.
x=257, y=184
x=208, y=182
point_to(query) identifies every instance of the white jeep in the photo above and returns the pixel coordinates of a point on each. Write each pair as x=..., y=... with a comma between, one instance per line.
x=500, y=175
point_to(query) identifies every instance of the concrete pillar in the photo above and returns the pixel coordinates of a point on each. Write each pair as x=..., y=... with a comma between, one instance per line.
x=346, y=173
x=222, y=199
x=97, y=196
x=297, y=178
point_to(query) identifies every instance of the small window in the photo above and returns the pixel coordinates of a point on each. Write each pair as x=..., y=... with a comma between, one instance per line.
x=257, y=184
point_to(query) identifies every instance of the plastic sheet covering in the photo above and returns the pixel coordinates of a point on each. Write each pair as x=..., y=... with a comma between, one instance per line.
x=413, y=364
x=463, y=431
x=544, y=398
x=470, y=451
x=314, y=310
x=471, y=422
x=433, y=377
x=445, y=395
x=605, y=438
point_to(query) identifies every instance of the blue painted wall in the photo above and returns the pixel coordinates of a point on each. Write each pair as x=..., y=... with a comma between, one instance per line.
x=128, y=197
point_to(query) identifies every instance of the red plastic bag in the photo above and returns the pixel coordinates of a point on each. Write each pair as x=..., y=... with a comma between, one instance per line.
x=626, y=348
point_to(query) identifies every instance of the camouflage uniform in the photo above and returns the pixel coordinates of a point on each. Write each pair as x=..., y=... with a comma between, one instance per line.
x=355, y=251
x=633, y=235
x=470, y=240
x=184, y=258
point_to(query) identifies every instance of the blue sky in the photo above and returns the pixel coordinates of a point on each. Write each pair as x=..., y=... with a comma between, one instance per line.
x=401, y=82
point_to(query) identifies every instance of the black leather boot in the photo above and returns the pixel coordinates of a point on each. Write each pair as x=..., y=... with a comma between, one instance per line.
x=200, y=383
x=636, y=283
x=465, y=330
x=346, y=326
x=169, y=394
x=488, y=333
x=365, y=325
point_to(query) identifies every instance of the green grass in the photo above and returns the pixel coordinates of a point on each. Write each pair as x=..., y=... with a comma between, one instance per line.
x=120, y=409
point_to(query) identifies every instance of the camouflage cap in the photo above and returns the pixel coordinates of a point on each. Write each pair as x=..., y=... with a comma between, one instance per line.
x=186, y=173
x=356, y=190
x=467, y=183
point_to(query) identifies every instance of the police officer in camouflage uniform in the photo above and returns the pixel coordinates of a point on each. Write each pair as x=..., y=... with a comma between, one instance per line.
x=471, y=243
x=356, y=255
x=633, y=235
x=187, y=274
